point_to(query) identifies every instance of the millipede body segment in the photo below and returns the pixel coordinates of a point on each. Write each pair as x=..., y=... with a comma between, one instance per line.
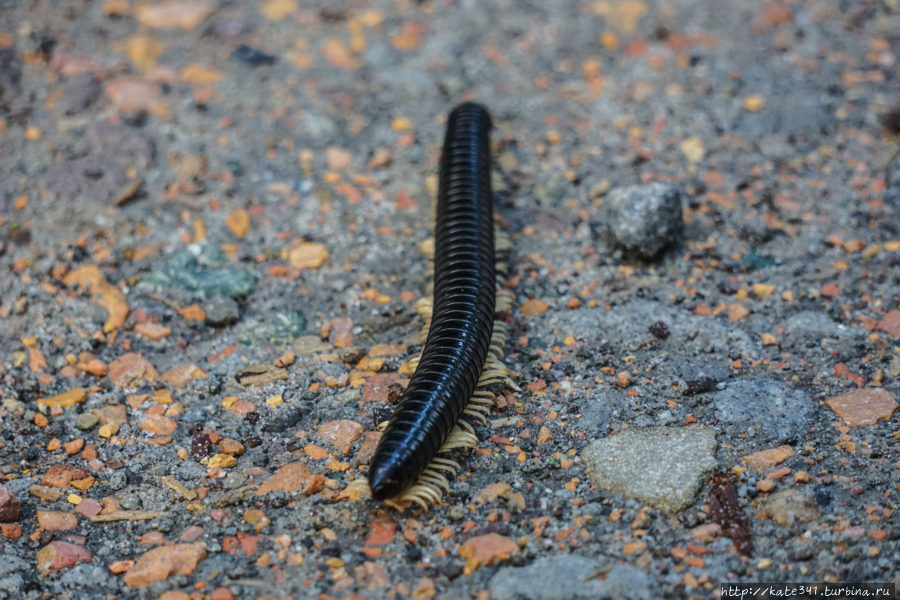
x=462, y=316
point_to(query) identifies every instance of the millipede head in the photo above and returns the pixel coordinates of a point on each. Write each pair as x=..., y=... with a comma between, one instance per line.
x=387, y=479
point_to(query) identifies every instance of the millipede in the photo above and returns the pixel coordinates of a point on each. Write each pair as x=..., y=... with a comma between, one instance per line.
x=461, y=358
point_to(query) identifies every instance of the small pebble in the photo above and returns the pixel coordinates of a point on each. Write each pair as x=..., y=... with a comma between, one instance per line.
x=87, y=421
x=9, y=505
x=221, y=311
x=645, y=219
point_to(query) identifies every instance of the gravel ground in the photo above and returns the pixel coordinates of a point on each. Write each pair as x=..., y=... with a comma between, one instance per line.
x=210, y=219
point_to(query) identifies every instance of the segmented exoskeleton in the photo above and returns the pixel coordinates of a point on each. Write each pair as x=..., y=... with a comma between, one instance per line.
x=463, y=343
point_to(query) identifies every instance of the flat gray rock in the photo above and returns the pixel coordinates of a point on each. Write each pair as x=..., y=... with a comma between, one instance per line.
x=626, y=581
x=569, y=577
x=556, y=577
x=810, y=327
x=11, y=568
x=90, y=177
x=772, y=409
x=662, y=466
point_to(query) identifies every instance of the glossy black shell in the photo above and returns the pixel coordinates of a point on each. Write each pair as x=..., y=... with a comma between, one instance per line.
x=463, y=316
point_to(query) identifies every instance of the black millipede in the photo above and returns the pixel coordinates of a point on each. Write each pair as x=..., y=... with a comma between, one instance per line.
x=463, y=343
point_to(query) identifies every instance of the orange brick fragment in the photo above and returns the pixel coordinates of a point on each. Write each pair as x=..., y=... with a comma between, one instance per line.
x=486, y=550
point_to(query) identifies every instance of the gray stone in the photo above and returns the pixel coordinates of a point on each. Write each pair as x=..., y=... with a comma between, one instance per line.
x=85, y=576
x=644, y=219
x=11, y=584
x=131, y=502
x=810, y=327
x=11, y=581
x=189, y=471
x=662, y=466
x=556, y=577
x=569, y=576
x=780, y=411
x=798, y=114
x=117, y=480
x=221, y=311
x=88, y=178
x=10, y=563
x=86, y=421
x=279, y=329
x=205, y=271
x=599, y=409
x=702, y=369
x=626, y=581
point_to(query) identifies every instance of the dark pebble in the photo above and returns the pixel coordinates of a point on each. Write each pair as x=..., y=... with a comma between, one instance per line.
x=891, y=119
x=10, y=79
x=200, y=445
x=252, y=56
x=285, y=422
x=692, y=387
x=659, y=330
x=413, y=553
x=822, y=496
